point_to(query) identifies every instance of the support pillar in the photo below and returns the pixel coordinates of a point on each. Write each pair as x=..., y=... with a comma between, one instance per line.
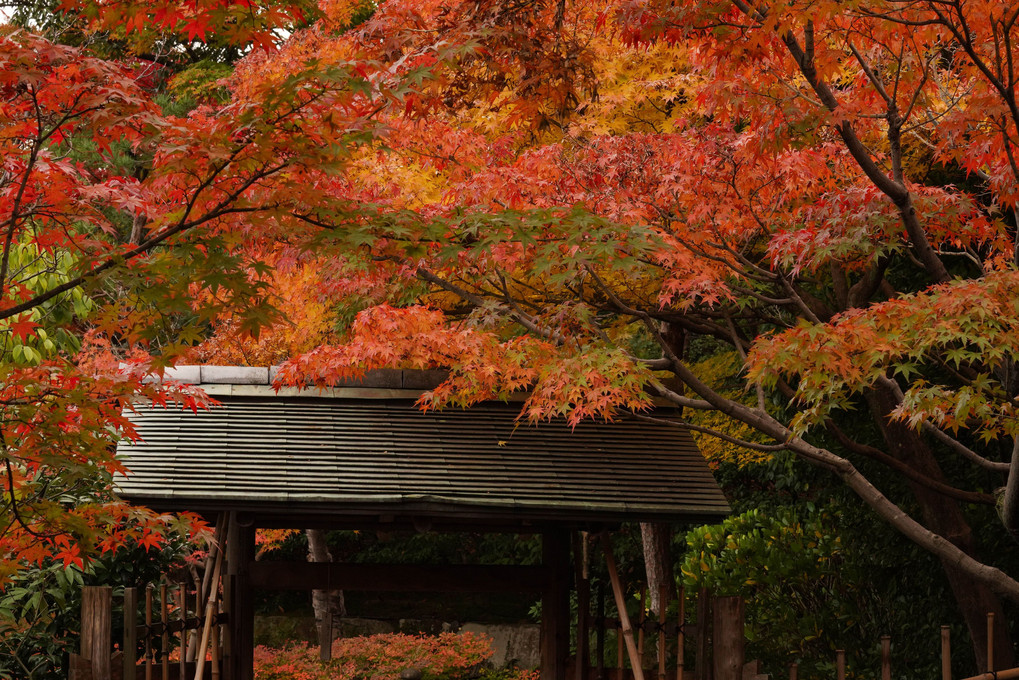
x=555, y=604
x=240, y=553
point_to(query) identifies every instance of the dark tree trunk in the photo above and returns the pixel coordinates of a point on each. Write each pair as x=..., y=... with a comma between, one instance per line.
x=327, y=604
x=943, y=516
x=658, y=563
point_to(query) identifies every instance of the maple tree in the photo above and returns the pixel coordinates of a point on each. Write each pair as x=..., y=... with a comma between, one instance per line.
x=799, y=183
x=565, y=198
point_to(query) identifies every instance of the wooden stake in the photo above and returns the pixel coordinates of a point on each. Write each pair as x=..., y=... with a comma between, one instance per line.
x=624, y=619
x=182, y=638
x=794, y=671
x=600, y=641
x=946, y=653
x=148, y=632
x=681, y=636
x=663, y=595
x=990, y=641
x=163, y=619
x=886, y=657
x=130, y=633
x=840, y=664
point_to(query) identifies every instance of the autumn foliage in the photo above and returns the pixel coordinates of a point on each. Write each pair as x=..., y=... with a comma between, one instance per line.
x=569, y=198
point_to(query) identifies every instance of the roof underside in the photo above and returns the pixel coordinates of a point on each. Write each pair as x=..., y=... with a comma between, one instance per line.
x=356, y=457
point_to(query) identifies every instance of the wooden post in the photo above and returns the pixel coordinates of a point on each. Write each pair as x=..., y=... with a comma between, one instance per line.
x=555, y=604
x=583, y=604
x=182, y=614
x=624, y=619
x=727, y=636
x=681, y=635
x=600, y=641
x=96, y=629
x=130, y=645
x=990, y=641
x=886, y=657
x=149, y=651
x=794, y=671
x=165, y=637
x=946, y=653
x=240, y=546
x=663, y=598
x=840, y=664
x=701, y=664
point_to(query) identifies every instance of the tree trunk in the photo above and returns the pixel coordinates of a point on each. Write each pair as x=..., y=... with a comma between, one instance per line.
x=658, y=563
x=943, y=516
x=327, y=604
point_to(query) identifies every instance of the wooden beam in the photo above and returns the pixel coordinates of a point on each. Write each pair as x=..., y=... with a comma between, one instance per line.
x=396, y=577
x=555, y=604
x=96, y=628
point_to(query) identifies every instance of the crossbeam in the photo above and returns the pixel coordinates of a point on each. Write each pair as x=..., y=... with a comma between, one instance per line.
x=397, y=577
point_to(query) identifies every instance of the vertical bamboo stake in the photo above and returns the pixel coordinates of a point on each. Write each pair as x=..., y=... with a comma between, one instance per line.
x=182, y=613
x=624, y=619
x=886, y=657
x=840, y=664
x=619, y=651
x=990, y=641
x=148, y=632
x=130, y=633
x=210, y=605
x=663, y=595
x=215, y=646
x=946, y=653
x=681, y=635
x=163, y=619
x=641, y=620
x=794, y=671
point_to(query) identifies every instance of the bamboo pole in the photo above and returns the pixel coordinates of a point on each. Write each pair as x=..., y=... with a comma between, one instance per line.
x=840, y=664
x=624, y=619
x=209, y=607
x=148, y=632
x=886, y=657
x=1010, y=674
x=641, y=620
x=946, y=653
x=619, y=651
x=215, y=646
x=202, y=590
x=681, y=635
x=165, y=642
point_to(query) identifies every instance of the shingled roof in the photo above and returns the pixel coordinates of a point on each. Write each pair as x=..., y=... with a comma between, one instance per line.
x=368, y=450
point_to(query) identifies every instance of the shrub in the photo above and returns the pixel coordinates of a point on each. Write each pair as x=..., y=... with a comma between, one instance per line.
x=448, y=656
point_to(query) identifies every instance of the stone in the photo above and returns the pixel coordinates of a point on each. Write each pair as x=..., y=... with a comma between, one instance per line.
x=512, y=645
x=411, y=674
